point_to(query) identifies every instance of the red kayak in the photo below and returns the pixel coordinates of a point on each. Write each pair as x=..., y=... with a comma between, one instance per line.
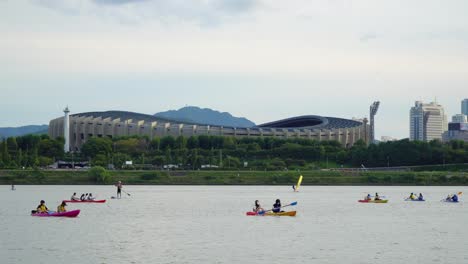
x=85, y=201
x=73, y=213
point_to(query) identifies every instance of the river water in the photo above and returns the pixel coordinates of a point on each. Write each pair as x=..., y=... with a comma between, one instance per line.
x=207, y=224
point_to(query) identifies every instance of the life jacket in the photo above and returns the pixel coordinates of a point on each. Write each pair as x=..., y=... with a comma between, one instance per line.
x=61, y=209
x=42, y=208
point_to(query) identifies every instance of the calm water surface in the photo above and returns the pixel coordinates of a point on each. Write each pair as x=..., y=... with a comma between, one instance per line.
x=201, y=224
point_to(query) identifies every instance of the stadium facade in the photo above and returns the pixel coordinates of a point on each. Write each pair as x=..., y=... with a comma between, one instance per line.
x=113, y=124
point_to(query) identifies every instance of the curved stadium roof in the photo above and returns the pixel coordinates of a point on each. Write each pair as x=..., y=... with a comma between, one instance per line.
x=299, y=122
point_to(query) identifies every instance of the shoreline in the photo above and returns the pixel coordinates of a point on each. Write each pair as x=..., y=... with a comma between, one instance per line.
x=241, y=178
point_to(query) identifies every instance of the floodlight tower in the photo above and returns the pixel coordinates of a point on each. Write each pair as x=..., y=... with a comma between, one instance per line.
x=66, y=130
x=373, y=111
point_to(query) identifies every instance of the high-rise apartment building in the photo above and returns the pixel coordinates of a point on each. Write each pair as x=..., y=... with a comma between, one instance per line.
x=427, y=121
x=464, y=106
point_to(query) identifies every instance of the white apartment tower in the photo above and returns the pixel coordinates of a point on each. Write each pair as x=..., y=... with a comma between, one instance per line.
x=427, y=121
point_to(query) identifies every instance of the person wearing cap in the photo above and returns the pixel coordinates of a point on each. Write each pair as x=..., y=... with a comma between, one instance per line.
x=42, y=208
x=119, y=189
x=61, y=207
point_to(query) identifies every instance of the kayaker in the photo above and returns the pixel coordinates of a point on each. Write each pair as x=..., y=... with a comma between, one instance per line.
x=368, y=197
x=454, y=198
x=420, y=198
x=119, y=189
x=61, y=207
x=42, y=208
x=258, y=207
x=74, y=198
x=449, y=198
x=377, y=197
x=277, y=206
x=412, y=196
x=90, y=197
x=82, y=197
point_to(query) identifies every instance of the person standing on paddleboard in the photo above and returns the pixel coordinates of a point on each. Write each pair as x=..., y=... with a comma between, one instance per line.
x=119, y=189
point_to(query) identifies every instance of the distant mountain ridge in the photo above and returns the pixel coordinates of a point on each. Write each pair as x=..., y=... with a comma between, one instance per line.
x=207, y=116
x=23, y=130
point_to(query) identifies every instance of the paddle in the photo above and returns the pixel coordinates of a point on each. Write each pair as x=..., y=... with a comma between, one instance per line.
x=291, y=204
x=126, y=192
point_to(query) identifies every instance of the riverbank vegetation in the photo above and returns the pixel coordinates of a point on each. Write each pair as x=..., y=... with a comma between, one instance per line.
x=229, y=153
x=99, y=175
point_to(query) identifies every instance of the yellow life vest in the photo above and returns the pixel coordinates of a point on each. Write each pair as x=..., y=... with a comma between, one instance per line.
x=42, y=208
x=61, y=209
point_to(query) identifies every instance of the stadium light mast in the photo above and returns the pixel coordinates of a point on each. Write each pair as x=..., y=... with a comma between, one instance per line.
x=66, y=129
x=373, y=111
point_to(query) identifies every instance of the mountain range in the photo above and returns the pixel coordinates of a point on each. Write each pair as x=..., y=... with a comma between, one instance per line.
x=6, y=132
x=206, y=116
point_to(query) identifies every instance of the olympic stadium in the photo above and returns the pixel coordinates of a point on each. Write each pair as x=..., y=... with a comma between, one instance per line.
x=82, y=126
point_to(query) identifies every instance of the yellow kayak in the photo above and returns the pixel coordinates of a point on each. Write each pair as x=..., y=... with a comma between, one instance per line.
x=373, y=201
x=290, y=213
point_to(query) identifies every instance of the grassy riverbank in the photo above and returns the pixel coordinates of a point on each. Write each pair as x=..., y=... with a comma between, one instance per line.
x=235, y=177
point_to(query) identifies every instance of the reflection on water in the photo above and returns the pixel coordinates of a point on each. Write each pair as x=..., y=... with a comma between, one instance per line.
x=201, y=224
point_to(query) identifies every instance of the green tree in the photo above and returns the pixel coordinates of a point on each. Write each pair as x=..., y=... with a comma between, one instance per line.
x=192, y=142
x=51, y=148
x=168, y=143
x=95, y=146
x=181, y=142
x=155, y=144
x=5, y=155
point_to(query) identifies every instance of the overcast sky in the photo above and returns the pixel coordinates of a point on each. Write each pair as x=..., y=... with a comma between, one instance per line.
x=264, y=60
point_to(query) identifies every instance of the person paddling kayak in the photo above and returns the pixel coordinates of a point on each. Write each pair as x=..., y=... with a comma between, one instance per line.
x=74, y=197
x=258, y=207
x=421, y=197
x=455, y=198
x=277, y=206
x=368, y=197
x=377, y=197
x=90, y=197
x=412, y=196
x=42, y=208
x=61, y=207
x=119, y=189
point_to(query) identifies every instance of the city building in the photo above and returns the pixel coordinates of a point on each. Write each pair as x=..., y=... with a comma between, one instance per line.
x=427, y=121
x=464, y=107
x=112, y=124
x=387, y=139
x=459, y=118
x=456, y=131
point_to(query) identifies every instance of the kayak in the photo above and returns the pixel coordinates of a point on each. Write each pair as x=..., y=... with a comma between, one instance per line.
x=373, y=201
x=416, y=200
x=290, y=213
x=85, y=201
x=445, y=201
x=73, y=213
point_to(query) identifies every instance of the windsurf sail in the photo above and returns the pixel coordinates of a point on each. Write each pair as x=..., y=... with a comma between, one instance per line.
x=298, y=184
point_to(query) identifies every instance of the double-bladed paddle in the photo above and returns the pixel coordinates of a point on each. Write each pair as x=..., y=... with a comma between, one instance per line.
x=291, y=204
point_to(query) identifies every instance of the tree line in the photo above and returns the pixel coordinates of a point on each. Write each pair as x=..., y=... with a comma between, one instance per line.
x=229, y=152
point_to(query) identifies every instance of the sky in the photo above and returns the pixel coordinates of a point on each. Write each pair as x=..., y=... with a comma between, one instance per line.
x=261, y=59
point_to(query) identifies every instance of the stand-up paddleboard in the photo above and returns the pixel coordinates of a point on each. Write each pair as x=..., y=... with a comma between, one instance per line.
x=296, y=187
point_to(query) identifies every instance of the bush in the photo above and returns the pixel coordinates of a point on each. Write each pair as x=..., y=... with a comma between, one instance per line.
x=149, y=176
x=100, y=175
